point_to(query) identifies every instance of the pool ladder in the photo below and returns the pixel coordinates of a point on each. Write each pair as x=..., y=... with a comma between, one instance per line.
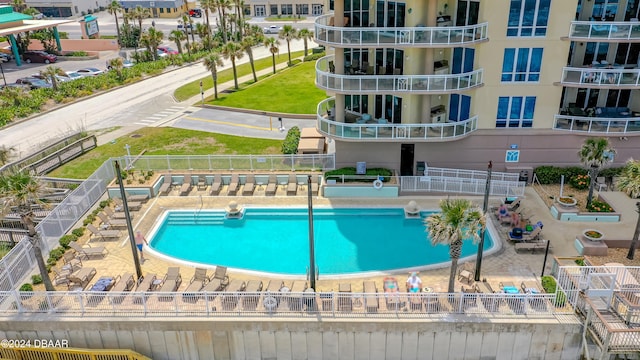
x=197, y=212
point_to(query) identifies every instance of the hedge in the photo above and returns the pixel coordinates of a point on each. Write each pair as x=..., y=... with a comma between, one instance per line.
x=290, y=143
x=547, y=174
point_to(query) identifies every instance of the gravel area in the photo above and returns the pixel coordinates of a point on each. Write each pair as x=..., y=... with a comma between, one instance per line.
x=549, y=192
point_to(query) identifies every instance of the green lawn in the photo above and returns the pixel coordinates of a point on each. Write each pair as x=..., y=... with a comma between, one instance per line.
x=292, y=91
x=193, y=88
x=162, y=141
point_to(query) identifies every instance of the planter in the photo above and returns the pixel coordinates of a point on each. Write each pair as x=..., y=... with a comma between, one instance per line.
x=567, y=201
x=593, y=235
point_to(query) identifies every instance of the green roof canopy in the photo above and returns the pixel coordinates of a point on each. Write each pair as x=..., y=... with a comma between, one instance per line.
x=7, y=15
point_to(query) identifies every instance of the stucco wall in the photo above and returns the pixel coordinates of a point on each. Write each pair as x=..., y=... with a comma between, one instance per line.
x=81, y=45
x=244, y=338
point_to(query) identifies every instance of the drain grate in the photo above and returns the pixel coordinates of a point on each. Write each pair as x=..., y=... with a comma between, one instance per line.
x=136, y=136
x=188, y=112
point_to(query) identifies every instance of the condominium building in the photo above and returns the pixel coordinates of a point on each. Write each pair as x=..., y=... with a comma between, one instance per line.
x=458, y=83
x=276, y=8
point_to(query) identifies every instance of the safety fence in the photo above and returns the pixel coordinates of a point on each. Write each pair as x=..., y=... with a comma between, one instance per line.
x=57, y=349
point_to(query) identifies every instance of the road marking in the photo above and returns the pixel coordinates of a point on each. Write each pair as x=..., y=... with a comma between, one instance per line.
x=226, y=123
x=154, y=119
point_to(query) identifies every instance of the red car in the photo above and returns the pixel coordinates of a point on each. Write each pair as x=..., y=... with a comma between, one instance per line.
x=167, y=50
x=39, y=56
x=195, y=13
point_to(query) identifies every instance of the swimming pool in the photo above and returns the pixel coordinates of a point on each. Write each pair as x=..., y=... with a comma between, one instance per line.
x=275, y=240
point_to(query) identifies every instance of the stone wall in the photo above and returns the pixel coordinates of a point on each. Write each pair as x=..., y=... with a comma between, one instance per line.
x=455, y=337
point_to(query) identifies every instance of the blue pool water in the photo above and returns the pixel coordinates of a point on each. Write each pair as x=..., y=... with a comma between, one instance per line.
x=276, y=240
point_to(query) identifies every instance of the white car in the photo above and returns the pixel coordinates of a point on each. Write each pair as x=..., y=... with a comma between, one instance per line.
x=72, y=75
x=273, y=29
x=89, y=72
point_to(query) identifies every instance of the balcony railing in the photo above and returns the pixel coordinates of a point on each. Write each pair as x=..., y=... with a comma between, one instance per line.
x=598, y=77
x=423, y=37
x=384, y=84
x=619, y=31
x=390, y=131
x=598, y=125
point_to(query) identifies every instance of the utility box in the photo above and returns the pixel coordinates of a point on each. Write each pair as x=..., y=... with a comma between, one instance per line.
x=524, y=176
x=420, y=168
x=361, y=168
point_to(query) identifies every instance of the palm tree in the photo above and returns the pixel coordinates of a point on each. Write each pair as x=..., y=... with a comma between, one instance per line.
x=222, y=6
x=184, y=22
x=247, y=43
x=629, y=180
x=51, y=72
x=177, y=36
x=18, y=191
x=139, y=14
x=151, y=40
x=305, y=35
x=117, y=64
x=458, y=220
x=288, y=33
x=233, y=51
x=18, y=5
x=212, y=62
x=594, y=154
x=114, y=8
x=207, y=5
x=15, y=95
x=273, y=45
x=6, y=153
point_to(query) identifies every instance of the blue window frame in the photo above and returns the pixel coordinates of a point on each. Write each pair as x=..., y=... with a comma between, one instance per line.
x=515, y=111
x=528, y=17
x=522, y=64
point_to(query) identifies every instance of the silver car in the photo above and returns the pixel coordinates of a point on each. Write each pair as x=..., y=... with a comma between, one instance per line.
x=273, y=29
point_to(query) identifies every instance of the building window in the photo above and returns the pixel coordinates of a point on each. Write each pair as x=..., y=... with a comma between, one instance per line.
x=273, y=10
x=302, y=9
x=528, y=18
x=161, y=10
x=316, y=9
x=259, y=10
x=515, y=111
x=286, y=9
x=522, y=64
x=357, y=103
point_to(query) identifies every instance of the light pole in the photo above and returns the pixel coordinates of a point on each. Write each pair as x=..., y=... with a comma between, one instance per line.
x=281, y=125
x=485, y=207
x=127, y=147
x=636, y=234
x=201, y=93
x=3, y=78
x=127, y=216
x=312, y=255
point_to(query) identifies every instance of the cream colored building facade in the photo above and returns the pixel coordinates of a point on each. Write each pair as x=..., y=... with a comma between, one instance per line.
x=275, y=8
x=460, y=83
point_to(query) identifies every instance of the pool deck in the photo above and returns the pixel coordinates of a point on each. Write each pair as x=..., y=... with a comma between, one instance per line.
x=506, y=265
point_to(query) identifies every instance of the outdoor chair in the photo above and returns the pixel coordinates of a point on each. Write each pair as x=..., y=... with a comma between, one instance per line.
x=148, y=283
x=292, y=186
x=197, y=282
x=132, y=205
x=216, y=185
x=88, y=251
x=143, y=198
x=314, y=185
x=232, y=190
x=533, y=246
x=465, y=275
x=172, y=280
x=371, y=302
x=71, y=260
x=115, y=215
x=166, y=185
x=61, y=276
x=295, y=299
x=230, y=297
x=253, y=288
x=391, y=293
x=345, y=300
x=81, y=278
x=531, y=287
x=535, y=234
x=272, y=185
x=219, y=280
x=202, y=182
x=186, y=185
x=249, y=185
x=111, y=224
x=104, y=234
x=123, y=284
x=601, y=183
x=514, y=205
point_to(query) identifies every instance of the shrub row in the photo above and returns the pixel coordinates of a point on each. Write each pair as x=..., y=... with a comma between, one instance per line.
x=290, y=143
x=552, y=174
x=314, y=57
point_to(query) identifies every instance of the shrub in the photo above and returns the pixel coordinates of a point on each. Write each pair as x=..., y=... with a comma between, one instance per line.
x=314, y=57
x=57, y=253
x=66, y=239
x=552, y=175
x=36, y=279
x=104, y=203
x=26, y=287
x=580, y=262
x=549, y=285
x=78, y=53
x=580, y=182
x=291, y=141
x=599, y=206
x=89, y=219
x=78, y=232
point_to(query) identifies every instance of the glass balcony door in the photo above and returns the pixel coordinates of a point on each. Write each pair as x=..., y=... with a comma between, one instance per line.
x=389, y=107
x=467, y=13
x=390, y=13
x=389, y=62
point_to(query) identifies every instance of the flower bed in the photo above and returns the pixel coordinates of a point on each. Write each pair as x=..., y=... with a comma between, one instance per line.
x=567, y=201
x=593, y=235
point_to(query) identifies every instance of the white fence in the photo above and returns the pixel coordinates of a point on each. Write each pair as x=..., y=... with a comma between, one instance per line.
x=598, y=281
x=463, y=182
x=177, y=304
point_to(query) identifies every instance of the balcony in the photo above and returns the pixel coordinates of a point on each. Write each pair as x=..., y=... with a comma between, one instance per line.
x=420, y=37
x=619, y=31
x=385, y=84
x=389, y=132
x=597, y=125
x=616, y=77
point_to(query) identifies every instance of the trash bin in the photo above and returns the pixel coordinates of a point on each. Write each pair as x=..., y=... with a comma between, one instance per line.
x=420, y=167
x=524, y=176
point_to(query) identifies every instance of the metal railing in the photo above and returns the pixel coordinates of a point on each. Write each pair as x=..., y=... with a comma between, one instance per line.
x=601, y=30
x=598, y=125
x=369, y=84
x=460, y=186
x=599, y=77
x=419, y=36
x=181, y=304
x=56, y=349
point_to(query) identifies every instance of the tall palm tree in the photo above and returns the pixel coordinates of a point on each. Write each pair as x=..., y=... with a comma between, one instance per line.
x=458, y=220
x=114, y=8
x=117, y=64
x=247, y=43
x=233, y=51
x=305, y=35
x=6, y=153
x=207, y=5
x=51, y=72
x=185, y=22
x=223, y=6
x=151, y=40
x=288, y=33
x=594, y=154
x=212, y=62
x=177, y=36
x=139, y=14
x=18, y=192
x=273, y=45
x=629, y=180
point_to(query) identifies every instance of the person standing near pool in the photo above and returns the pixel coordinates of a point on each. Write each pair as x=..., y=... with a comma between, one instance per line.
x=140, y=242
x=414, y=284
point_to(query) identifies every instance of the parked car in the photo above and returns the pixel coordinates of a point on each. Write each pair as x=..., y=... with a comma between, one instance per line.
x=22, y=86
x=34, y=83
x=5, y=57
x=161, y=53
x=89, y=72
x=189, y=28
x=72, y=75
x=39, y=56
x=273, y=29
x=126, y=63
x=195, y=13
x=167, y=50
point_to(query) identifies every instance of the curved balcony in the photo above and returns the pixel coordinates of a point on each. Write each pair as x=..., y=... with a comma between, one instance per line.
x=616, y=77
x=598, y=125
x=420, y=37
x=618, y=31
x=392, y=132
x=385, y=84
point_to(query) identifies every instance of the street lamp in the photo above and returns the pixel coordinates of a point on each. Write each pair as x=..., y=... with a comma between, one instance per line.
x=127, y=216
x=281, y=125
x=2, y=70
x=485, y=207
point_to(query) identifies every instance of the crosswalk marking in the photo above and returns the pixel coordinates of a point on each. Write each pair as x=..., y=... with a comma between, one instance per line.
x=159, y=116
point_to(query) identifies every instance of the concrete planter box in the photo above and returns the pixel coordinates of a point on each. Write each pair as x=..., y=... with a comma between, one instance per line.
x=150, y=189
